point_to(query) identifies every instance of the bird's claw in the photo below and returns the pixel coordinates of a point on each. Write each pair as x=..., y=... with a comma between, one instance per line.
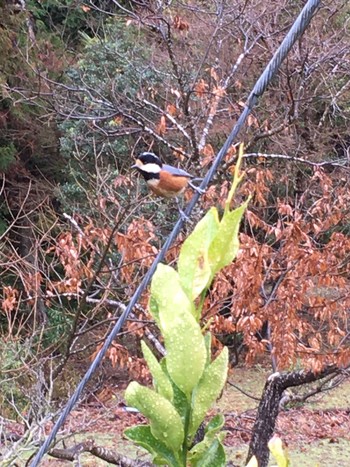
x=184, y=216
x=196, y=188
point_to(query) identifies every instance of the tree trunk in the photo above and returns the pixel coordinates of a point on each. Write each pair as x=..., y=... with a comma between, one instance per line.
x=268, y=409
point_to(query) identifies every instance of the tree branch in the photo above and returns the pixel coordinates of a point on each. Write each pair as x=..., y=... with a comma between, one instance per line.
x=269, y=406
x=72, y=454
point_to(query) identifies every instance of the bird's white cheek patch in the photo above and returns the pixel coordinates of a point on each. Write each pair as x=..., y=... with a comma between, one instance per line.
x=151, y=168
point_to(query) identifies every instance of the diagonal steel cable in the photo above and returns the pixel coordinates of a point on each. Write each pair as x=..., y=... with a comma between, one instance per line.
x=297, y=29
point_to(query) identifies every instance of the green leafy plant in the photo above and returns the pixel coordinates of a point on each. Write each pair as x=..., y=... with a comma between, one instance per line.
x=278, y=452
x=187, y=382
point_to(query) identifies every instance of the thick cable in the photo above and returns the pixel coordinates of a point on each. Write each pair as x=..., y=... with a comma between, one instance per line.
x=271, y=69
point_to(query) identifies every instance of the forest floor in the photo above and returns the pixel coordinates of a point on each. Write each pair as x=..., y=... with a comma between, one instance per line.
x=316, y=433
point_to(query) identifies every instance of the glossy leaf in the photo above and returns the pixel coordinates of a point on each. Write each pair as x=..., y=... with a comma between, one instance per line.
x=212, y=455
x=280, y=455
x=167, y=293
x=211, y=433
x=153, y=308
x=225, y=245
x=180, y=400
x=165, y=422
x=208, y=389
x=184, y=343
x=215, y=424
x=160, y=379
x=142, y=435
x=193, y=264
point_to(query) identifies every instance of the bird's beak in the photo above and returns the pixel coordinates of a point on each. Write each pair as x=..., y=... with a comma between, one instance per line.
x=137, y=164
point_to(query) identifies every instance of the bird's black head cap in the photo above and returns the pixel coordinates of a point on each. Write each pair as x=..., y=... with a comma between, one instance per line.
x=149, y=165
x=149, y=158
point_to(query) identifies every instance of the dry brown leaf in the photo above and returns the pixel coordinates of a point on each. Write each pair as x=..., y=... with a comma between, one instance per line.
x=214, y=75
x=161, y=127
x=171, y=109
x=180, y=24
x=201, y=88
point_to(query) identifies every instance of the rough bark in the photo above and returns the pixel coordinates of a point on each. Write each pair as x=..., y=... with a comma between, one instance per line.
x=269, y=405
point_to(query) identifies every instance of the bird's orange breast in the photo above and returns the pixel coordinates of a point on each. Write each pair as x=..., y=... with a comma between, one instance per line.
x=168, y=185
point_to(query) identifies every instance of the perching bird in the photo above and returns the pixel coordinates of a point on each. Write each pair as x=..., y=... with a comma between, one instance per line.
x=164, y=180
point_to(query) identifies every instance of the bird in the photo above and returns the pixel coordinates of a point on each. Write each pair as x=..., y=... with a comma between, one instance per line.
x=162, y=179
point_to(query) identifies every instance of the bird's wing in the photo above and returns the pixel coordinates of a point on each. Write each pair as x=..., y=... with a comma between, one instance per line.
x=175, y=171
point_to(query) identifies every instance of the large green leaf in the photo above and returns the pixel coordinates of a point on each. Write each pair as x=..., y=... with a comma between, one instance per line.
x=165, y=422
x=215, y=425
x=184, y=342
x=180, y=400
x=276, y=447
x=142, y=435
x=160, y=379
x=208, y=389
x=167, y=293
x=153, y=308
x=210, y=443
x=193, y=264
x=212, y=455
x=225, y=245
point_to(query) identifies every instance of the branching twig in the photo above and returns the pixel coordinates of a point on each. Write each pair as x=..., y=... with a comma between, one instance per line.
x=243, y=392
x=335, y=380
x=108, y=455
x=342, y=163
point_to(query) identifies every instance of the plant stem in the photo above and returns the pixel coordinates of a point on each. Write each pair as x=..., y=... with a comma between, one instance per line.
x=237, y=178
